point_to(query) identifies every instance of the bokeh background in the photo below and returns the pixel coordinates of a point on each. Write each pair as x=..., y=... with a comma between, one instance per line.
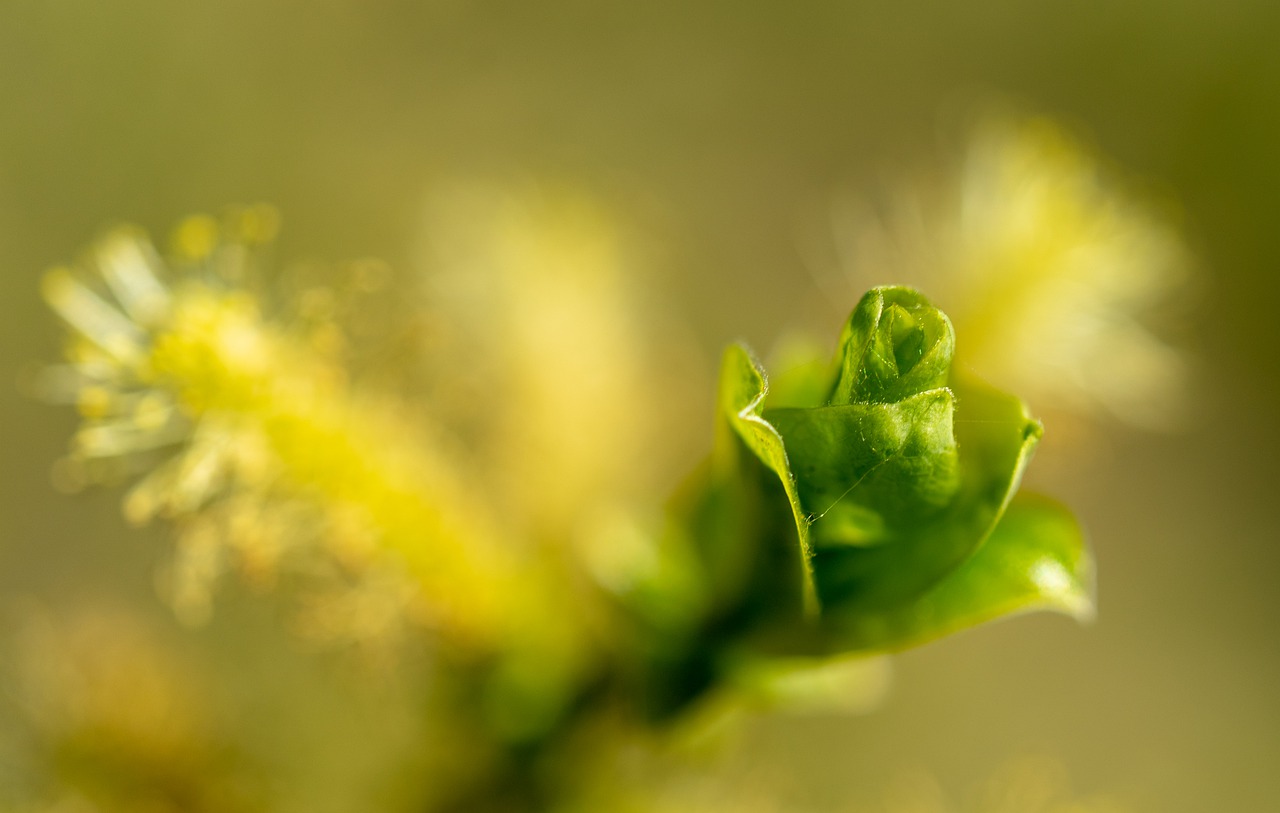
x=719, y=135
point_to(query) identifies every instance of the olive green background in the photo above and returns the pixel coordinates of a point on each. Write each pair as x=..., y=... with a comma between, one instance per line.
x=714, y=130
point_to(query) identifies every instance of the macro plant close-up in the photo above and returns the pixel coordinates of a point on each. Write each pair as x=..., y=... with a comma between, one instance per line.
x=464, y=407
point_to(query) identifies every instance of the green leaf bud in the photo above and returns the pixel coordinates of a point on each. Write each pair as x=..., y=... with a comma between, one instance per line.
x=895, y=344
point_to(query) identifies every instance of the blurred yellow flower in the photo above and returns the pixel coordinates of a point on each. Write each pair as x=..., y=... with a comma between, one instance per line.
x=273, y=456
x=572, y=401
x=539, y=309
x=1046, y=264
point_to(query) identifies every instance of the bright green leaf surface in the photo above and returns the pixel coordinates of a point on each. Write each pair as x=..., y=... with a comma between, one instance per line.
x=993, y=442
x=1034, y=559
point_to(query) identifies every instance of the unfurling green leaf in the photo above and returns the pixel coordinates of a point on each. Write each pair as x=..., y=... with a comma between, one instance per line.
x=889, y=497
x=872, y=509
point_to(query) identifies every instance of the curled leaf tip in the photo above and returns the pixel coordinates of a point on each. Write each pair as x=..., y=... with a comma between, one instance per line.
x=895, y=344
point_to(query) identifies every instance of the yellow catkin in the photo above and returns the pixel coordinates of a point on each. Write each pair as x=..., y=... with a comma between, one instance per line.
x=268, y=421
